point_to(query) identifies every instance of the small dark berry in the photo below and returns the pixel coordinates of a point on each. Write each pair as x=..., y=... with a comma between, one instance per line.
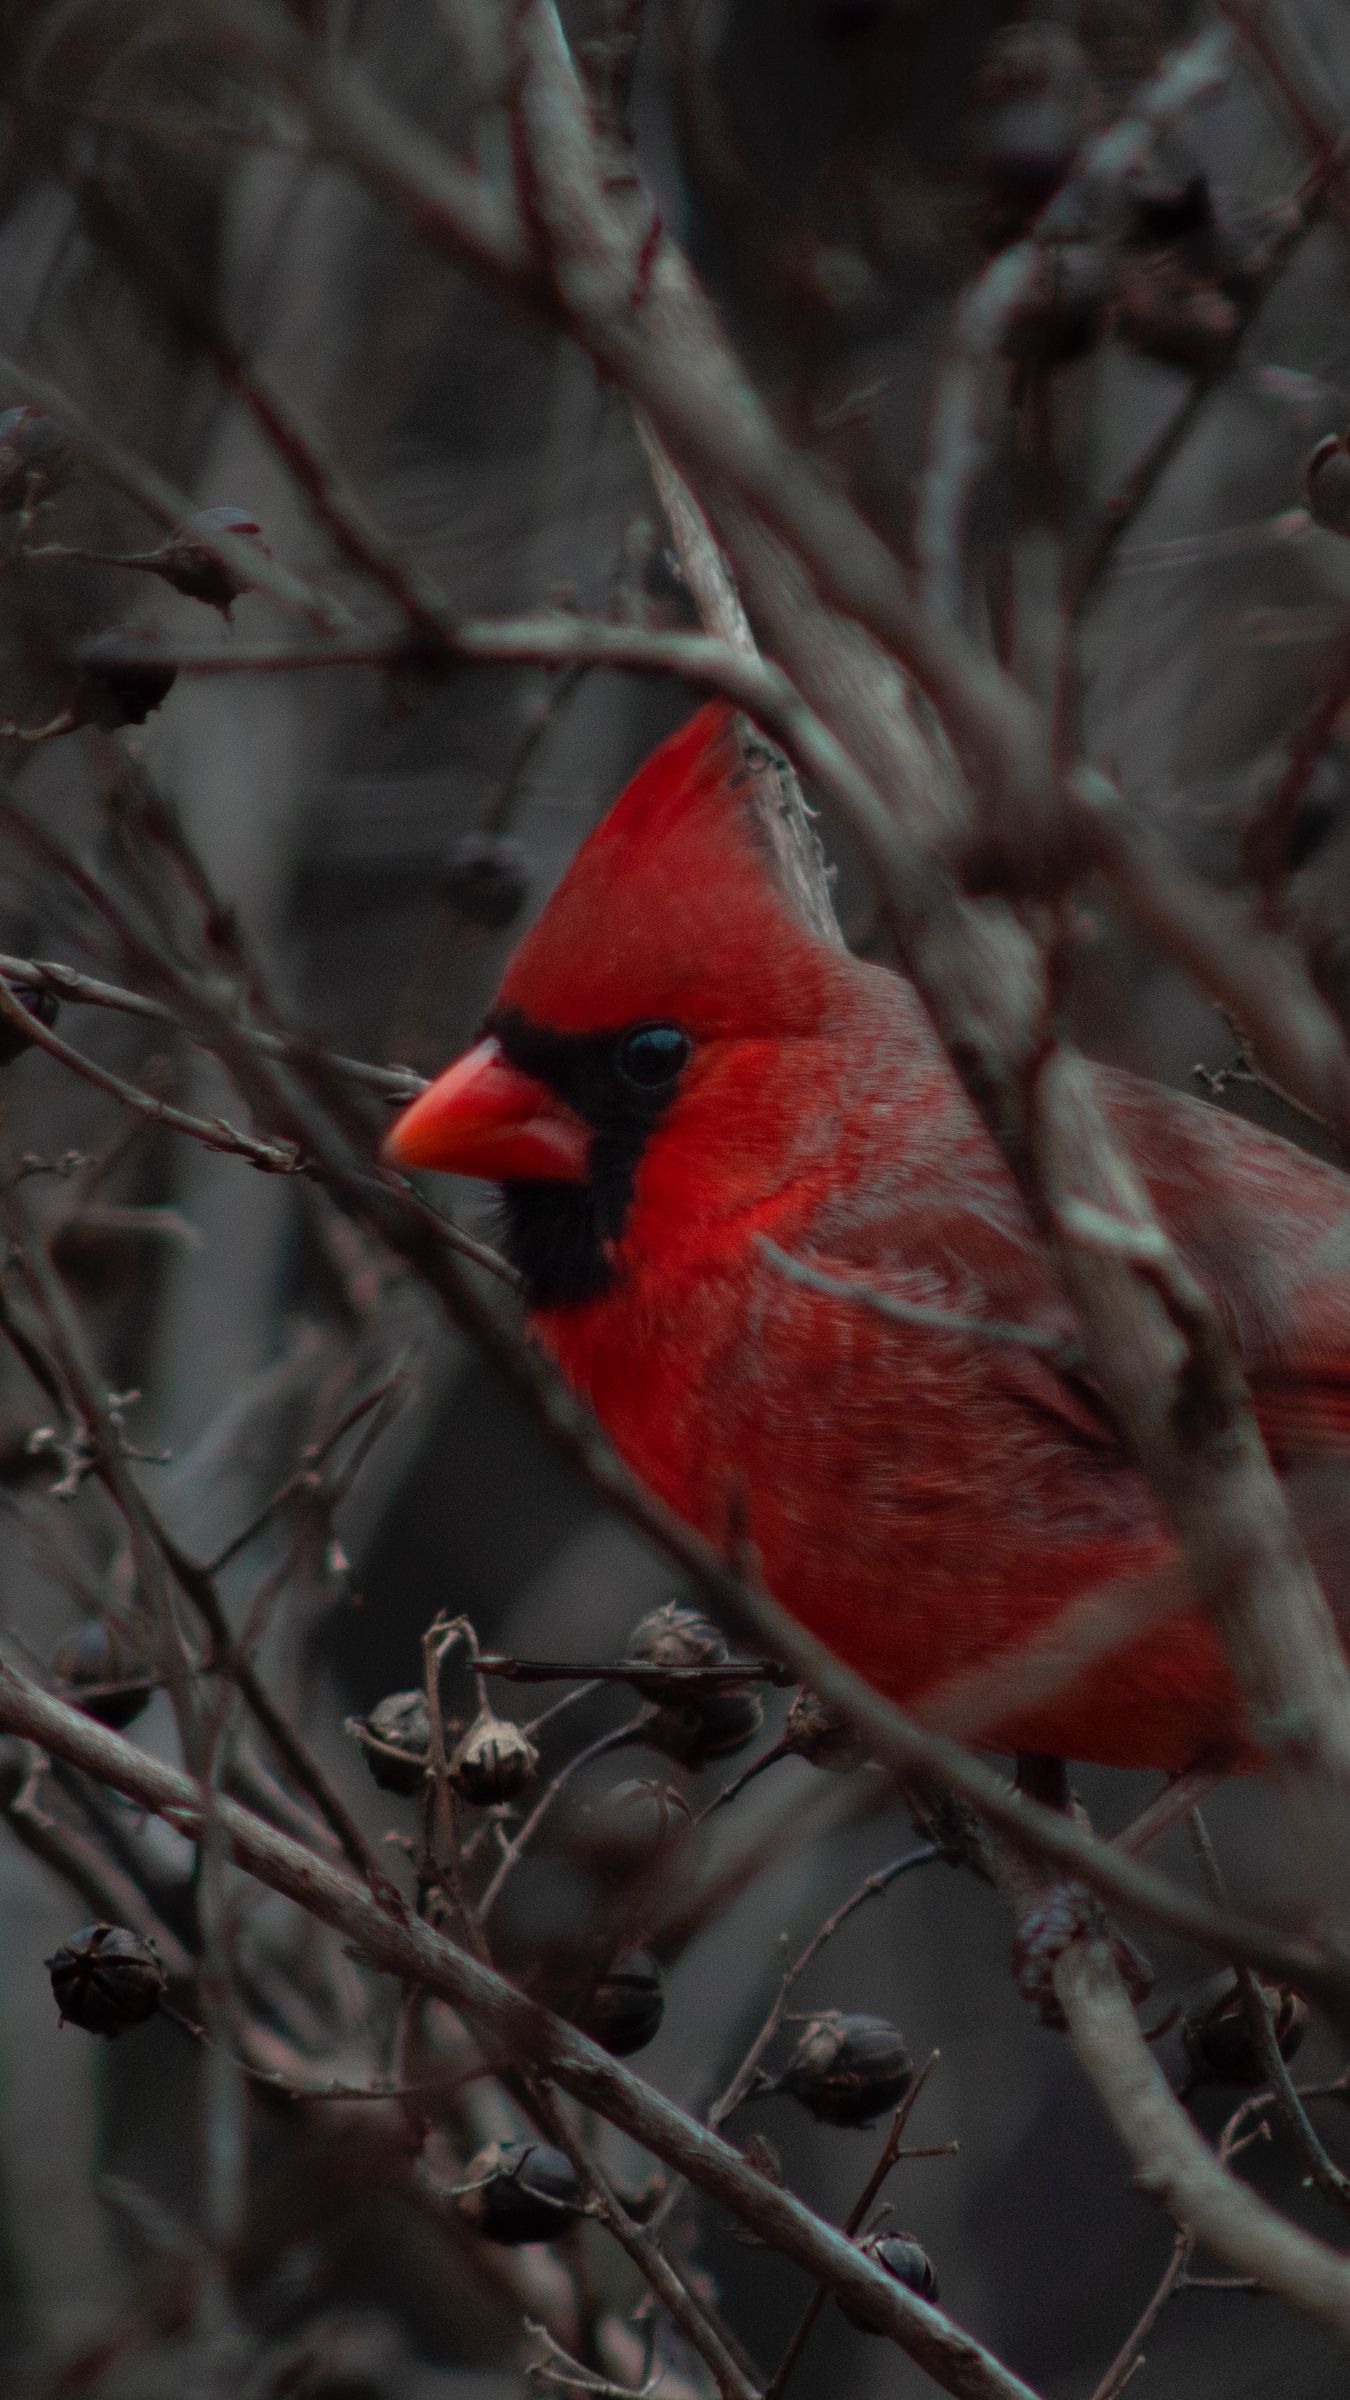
x=39, y=1003
x=495, y=1762
x=704, y=1724
x=847, y=2070
x=905, y=2261
x=1218, y=2041
x=396, y=1741
x=636, y=1824
x=520, y=2192
x=820, y=1735
x=625, y=2010
x=187, y=564
x=486, y=877
x=35, y=457
x=106, y=1979
x=99, y=1671
x=1326, y=483
x=120, y=679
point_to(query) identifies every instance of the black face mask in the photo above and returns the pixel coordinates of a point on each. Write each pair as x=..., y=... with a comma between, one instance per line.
x=561, y=1236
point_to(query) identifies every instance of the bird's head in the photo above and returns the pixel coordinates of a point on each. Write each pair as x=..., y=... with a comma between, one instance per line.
x=651, y=996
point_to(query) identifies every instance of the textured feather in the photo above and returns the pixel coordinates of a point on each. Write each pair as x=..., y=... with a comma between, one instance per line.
x=925, y=1499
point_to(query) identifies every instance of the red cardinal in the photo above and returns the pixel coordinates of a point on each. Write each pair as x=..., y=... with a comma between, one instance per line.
x=676, y=1085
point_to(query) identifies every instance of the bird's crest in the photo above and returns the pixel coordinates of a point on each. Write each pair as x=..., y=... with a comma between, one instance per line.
x=671, y=907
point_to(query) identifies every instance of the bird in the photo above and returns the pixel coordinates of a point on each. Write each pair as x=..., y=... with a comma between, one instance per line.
x=763, y=1230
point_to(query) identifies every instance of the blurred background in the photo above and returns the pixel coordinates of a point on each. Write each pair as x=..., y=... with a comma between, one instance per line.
x=839, y=170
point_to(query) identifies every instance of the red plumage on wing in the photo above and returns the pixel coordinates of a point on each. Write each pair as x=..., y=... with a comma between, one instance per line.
x=679, y=1082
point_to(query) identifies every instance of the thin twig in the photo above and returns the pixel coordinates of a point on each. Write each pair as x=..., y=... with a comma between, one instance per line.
x=398, y=1942
x=1330, y=2180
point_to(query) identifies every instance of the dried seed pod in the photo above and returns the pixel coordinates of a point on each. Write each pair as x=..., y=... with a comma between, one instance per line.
x=848, y=2070
x=120, y=678
x=676, y=1636
x=106, y=1979
x=520, y=2192
x=695, y=1722
x=1218, y=2040
x=396, y=1741
x=35, y=457
x=187, y=564
x=495, y=1762
x=486, y=877
x=1326, y=483
x=99, y=1671
x=713, y=1722
x=40, y=1003
x=906, y=2261
x=636, y=1824
x=820, y=1735
x=624, y=2011
x=1063, y=314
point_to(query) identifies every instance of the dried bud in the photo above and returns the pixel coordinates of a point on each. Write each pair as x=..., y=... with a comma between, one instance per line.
x=39, y=1003
x=820, y=1735
x=35, y=457
x=1218, y=2041
x=487, y=878
x=520, y=2192
x=1326, y=483
x=906, y=2261
x=714, y=1721
x=120, y=678
x=495, y=1762
x=696, y=1722
x=106, y=1979
x=675, y=1636
x=636, y=1824
x=191, y=568
x=624, y=2011
x=1062, y=315
x=99, y=1671
x=847, y=2070
x=396, y=1741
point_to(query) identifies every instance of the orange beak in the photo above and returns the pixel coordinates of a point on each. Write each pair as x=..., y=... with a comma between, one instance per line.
x=485, y=1117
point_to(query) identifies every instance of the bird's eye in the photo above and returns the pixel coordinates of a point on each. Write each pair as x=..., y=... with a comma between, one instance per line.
x=652, y=1056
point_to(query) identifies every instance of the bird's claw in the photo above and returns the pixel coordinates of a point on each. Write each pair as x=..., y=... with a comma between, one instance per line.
x=1066, y=1914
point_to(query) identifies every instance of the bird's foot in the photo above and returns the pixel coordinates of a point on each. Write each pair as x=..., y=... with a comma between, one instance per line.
x=1067, y=1913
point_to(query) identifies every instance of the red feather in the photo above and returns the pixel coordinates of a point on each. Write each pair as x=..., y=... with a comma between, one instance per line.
x=924, y=1498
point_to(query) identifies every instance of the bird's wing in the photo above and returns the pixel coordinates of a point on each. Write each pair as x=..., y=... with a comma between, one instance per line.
x=1264, y=1226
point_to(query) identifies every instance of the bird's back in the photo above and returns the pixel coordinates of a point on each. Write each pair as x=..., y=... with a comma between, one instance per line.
x=923, y=1495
